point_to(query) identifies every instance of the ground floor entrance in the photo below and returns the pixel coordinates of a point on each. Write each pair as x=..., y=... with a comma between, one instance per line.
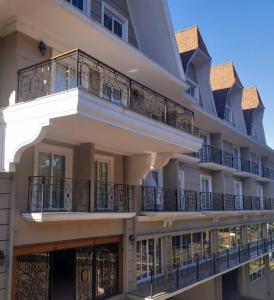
x=230, y=285
x=81, y=273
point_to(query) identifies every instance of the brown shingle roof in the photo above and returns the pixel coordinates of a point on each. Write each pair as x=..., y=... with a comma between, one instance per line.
x=251, y=98
x=223, y=76
x=190, y=39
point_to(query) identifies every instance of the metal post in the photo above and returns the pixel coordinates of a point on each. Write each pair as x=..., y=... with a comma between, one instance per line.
x=177, y=276
x=154, y=198
x=42, y=191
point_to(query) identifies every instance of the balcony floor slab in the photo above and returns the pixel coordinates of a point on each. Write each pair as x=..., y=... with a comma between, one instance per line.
x=75, y=216
x=173, y=216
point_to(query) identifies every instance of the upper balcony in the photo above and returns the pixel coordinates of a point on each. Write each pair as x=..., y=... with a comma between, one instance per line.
x=67, y=199
x=213, y=158
x=79, y=99
x=160, y=202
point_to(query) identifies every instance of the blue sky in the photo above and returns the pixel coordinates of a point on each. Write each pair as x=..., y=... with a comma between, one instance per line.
x=241, y=31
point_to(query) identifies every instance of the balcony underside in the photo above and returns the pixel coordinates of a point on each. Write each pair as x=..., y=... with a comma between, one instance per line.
x=75, y=216
x=173, y=216
x=77, y=117
x=215, y=167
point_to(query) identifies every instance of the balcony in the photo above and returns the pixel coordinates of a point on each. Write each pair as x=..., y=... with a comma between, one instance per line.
x=57, y=199
x=76, y=94
x=175, y=278
x=155, y=199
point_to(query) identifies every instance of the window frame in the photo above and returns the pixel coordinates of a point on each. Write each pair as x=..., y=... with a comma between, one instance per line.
x=259, y=272
x=148, y=276
x=195, y=86
x=86, y=6
x=115, y=16
x=193, y=257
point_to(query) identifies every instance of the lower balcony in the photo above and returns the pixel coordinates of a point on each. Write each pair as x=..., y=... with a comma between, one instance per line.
x=57, y=199
x=157, y=199
x=170, y=280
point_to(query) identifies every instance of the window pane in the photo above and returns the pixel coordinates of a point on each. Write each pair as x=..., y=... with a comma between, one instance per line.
x=118, y=28
x=108, y=21
x=44, y=164
x=79, y=4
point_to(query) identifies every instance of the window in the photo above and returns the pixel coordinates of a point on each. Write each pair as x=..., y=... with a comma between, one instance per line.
x=82, y=5
x=270, y=229
x=54, y=165
x=206, y=190
x=148, y=258
x=228, y=115
x=238, y=193
x=271, y=261
x=228, y=238
x=254, y=232
x=114, y=22
x=193, y=90
x=190, y=246
x=253, y=130
x=237, y=158
x=257, y=269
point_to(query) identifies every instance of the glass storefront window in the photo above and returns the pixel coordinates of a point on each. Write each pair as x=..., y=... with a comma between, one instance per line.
x=257, y=269
x=148, y=258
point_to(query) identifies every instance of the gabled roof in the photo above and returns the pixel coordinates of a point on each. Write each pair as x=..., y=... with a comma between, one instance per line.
x=190, y=39
x=223, y=76
x=251, y=98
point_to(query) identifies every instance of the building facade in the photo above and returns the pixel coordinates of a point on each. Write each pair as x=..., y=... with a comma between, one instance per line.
x=130, y=167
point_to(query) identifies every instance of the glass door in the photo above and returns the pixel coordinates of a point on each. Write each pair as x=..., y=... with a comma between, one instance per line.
x=84, y=273
x=260, y=195
x=181, y=192
x=238, y=194
x=102, y=174
x=206, y=189
x=51, y=170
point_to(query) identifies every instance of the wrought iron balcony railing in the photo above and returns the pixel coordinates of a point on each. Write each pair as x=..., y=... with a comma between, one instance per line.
x=180, y=275
x=166, y=199
x=77, y=69
x=51, y=194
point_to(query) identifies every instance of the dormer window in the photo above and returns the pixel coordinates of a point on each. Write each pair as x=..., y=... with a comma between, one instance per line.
x=114, y=22
x=228, y=114
x=193, y=91
x=253, y=130
x=80, y=4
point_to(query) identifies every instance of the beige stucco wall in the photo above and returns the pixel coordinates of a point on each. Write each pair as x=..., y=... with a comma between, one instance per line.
x=206, y=291
x=261, y=288
x=5, y=227
x=29, y=232
x=17, y=51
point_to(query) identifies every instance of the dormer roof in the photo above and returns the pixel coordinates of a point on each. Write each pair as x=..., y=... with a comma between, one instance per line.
x=224, y=76
x=251, y=98
x=190, y=39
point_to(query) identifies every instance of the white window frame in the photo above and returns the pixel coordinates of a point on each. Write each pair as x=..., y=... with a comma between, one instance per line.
x=195, y=86
x=259, y=272
x=253, y=131
x=48, y=148
x=106, y=159
x=53, y=149
x=147, y=254
x=86, y=6
x=237, y=159
x=115, y=15
x=206, y=177
x=191, y=243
